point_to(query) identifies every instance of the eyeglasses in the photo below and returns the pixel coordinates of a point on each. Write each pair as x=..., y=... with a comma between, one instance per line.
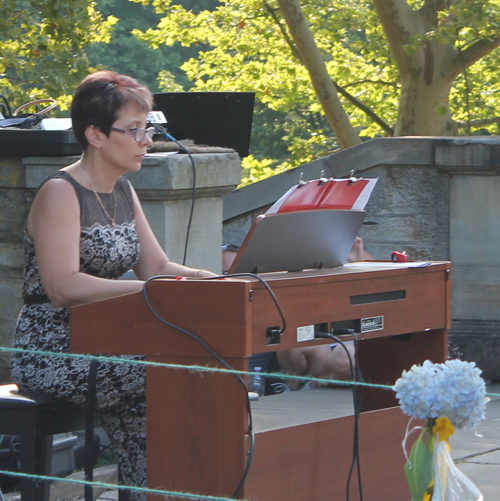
x=137, y=134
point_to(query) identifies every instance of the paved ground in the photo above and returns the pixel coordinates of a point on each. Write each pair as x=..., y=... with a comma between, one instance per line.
x=476, y=454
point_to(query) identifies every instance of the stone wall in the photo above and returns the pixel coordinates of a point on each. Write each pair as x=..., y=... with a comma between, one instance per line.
x=15, y=200
x=408, y=210
x=165, y=187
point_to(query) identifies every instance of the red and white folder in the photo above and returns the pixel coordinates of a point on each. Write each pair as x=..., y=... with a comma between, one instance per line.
x=345, y=194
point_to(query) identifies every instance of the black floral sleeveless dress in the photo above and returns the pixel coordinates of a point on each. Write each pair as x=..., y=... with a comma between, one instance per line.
x=107, y=250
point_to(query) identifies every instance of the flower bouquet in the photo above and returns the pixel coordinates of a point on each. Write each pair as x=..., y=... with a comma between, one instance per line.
x=448, y=396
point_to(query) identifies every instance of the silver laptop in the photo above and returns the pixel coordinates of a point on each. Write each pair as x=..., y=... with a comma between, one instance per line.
x=293, y=241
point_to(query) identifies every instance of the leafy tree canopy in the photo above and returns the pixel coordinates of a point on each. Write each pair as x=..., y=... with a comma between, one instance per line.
x=41, y=47
x=159, y=68
x=371, y=49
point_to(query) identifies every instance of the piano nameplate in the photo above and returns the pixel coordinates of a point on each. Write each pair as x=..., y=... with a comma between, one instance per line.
x=372, y=324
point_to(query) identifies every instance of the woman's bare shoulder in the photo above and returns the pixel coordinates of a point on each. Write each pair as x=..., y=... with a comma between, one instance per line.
x=55, y=188
x=55, y=203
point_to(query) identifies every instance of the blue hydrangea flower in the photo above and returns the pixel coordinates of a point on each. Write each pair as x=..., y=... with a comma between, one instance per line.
x=453, y=389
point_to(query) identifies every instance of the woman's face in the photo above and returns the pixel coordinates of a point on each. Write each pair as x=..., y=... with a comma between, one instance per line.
x=120, y=150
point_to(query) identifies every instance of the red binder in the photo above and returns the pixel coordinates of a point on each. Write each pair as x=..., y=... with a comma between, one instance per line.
x=344, y=194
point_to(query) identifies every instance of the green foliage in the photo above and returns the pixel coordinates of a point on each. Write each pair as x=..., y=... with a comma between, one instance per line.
x=158, y=67
x=254, y=170
x=268, y=128
x=440, y=110
x=476, y=94
x=41, y=47
x=462, y=23
x=418, y=469
x=244, y=45
x=471, y=20
x=168, y=83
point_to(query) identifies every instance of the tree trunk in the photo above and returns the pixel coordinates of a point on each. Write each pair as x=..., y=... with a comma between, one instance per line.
x=424, y=112
x=425, y=87
x=315, y=64
x=426, y=74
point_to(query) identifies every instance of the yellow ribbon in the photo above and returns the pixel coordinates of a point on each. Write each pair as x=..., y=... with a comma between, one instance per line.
x=443, y=429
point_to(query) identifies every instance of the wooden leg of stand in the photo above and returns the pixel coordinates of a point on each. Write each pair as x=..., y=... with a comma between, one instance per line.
x=123, y=495
x=196, y=427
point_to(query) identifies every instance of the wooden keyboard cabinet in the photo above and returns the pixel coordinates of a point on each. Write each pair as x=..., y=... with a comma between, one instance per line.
x=197, y=423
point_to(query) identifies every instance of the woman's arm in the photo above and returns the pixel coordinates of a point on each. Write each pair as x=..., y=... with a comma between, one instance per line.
x=153, y=260
x=54, y=225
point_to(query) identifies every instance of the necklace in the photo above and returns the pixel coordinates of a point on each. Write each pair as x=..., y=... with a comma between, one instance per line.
x=112, y=219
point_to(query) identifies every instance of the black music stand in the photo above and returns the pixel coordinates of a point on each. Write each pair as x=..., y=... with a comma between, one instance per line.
x=209, y=118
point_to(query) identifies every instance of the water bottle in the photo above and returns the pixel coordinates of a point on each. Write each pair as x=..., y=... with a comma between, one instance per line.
x=257, y=383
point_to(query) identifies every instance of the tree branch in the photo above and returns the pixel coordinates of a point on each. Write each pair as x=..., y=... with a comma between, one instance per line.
x=277, y=20
x=314, y=62
x=476, y=51
x=387, y=128
x=307, y=118
x=15, y=79
x=375, y=82
x=400, y=23
x=463, y=124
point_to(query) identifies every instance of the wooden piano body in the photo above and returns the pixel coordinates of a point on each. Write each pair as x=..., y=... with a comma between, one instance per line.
x=197, y=423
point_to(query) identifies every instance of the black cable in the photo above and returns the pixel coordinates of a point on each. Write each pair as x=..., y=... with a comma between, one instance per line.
x=160, y=129
x=359, y=402
x=355, y=375
x=265, y=284
x=357, y=411
x=89, y=427
x=216, y=356
x=5, y=106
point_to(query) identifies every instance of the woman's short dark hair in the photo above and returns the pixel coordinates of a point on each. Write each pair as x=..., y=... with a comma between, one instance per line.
x=100, y=97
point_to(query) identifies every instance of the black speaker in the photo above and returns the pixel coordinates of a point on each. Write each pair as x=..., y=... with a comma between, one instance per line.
x=209, y=118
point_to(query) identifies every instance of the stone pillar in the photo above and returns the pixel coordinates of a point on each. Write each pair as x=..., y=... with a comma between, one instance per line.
x=473, y=165
x=15, y=200
x=165, y=188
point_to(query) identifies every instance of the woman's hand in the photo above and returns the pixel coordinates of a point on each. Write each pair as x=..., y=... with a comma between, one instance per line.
x=201, y=273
